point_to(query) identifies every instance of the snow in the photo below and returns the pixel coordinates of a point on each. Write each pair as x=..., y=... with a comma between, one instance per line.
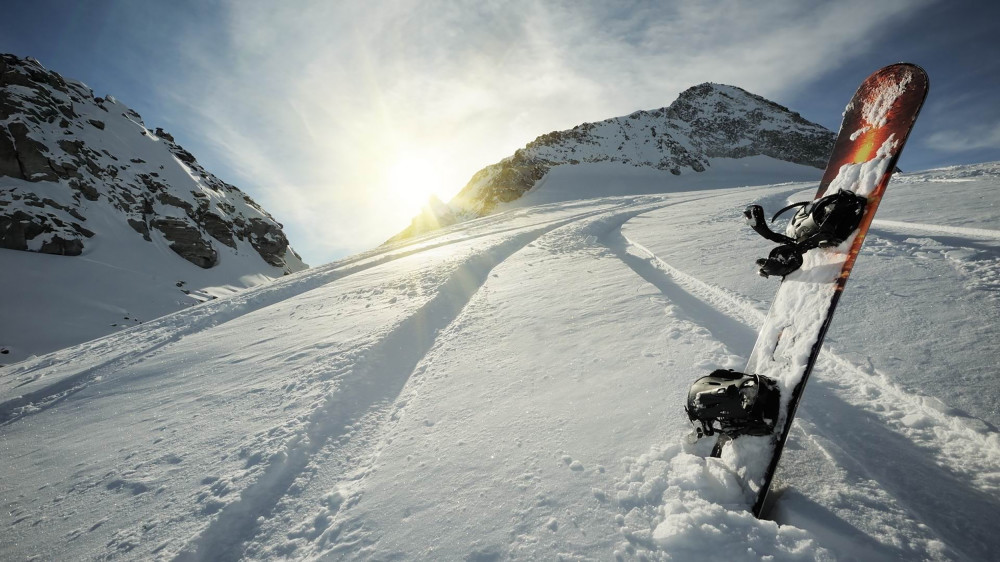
x=875, y=111
x=120, y=280
x=512, y=388
x=879, y=102
x=589, y=180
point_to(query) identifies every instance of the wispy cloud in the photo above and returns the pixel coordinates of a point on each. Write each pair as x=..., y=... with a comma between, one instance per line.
x=961, y=140
x=311, y=102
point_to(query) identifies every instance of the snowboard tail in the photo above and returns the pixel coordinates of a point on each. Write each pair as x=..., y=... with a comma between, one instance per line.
x=875, y=128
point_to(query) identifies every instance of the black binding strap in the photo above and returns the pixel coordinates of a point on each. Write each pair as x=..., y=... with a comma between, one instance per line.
x=792, y=206
x=755, y=218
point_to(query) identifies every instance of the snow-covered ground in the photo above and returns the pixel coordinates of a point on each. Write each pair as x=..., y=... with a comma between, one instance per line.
x=512, y=388
x=120, y=281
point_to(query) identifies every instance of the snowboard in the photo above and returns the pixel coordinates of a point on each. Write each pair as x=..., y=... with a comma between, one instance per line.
x=876, y=125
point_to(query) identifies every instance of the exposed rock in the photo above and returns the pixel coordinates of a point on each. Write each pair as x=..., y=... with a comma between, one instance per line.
x=187, y=241
x=150, y=183
x=164, y=135
x=167, y=198
x=31, y=154
x=17, y=228
x=218, y=228
x=88, y=191
x=133, y=115
x=71, y=147
x=184, y=156
x=141, y=227
x=62, y=246
x=9, y=165
x=268, y=239
x=511, y=181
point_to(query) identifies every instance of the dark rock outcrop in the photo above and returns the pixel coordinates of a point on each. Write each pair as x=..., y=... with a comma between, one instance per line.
x=55, y=235
x=31, y=155
x=54, y=133
x=267, y=238
x=187, y=241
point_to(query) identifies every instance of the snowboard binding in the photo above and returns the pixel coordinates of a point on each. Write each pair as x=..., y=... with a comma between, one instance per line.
x=733, y=404
x=820, y=223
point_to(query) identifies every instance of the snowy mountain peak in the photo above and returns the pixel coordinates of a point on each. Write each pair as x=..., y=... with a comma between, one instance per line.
x=153, y=232
x=705, y=123
x=67, y=156
x=731, y=122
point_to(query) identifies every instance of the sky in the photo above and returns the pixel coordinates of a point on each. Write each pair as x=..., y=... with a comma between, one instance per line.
x=341, y=118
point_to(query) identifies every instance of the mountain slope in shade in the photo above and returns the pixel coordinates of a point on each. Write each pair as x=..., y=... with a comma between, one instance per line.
x=705, y=125
x=102, y=218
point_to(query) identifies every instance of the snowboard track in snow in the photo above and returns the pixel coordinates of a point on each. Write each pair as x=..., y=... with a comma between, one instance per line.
x=369, y=386
x=172, y=328
x=836, y=370
x=918, y=458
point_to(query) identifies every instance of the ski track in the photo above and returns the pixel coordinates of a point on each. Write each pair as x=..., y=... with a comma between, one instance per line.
x=937, y=228
x=170, y=329
x=341, y=533
x=927, y=443
x=370, y=389
x=333, y=529
x=974, y=442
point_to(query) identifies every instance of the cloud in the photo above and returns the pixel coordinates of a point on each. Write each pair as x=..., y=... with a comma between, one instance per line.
x=974, y=137
x=309, y=103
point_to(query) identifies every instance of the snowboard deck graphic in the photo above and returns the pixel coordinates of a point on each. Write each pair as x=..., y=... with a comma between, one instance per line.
x=876, y=125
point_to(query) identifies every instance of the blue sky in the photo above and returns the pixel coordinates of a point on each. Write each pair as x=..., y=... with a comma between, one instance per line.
x=338, y=117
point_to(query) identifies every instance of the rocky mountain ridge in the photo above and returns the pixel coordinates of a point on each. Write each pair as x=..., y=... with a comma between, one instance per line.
x=67, y=156
x=706, y=122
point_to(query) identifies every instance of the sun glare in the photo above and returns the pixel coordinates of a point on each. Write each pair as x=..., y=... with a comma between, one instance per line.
x=410, y=182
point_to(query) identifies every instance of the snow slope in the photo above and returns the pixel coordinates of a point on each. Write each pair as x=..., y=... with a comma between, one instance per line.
x=511, y=388
x=105, y=224
x=51, y=302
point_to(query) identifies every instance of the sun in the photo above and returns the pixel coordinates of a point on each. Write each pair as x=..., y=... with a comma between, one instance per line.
x=411, y=180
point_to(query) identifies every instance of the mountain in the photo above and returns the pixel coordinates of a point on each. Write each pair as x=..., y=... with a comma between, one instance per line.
x=511, y=388
x=706, y=127
x=118, y=216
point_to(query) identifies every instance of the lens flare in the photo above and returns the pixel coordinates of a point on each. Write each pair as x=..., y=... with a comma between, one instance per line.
x=411, y=180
